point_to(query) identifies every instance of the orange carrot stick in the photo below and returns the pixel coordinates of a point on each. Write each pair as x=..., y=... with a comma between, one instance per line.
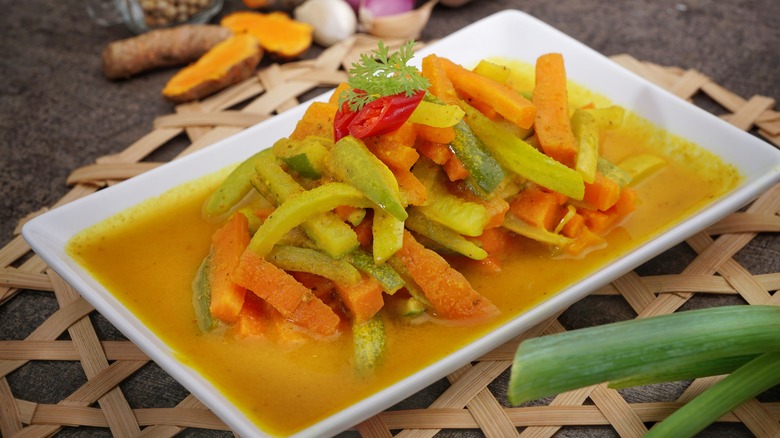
x=441, y=85
x=254, y=320
x=506, y=101
x=538, y=208
x=497, y=242
x=625, y=204
x=334, y=98
x=228, y=242
x=574, y=226
x=552, y=124
x=317, y=120
x=412, y=190
x=364, y=231
x=602, y=193
x=449, y=292
x=496, y=208
x=586, y=239
x=292, y=299
x=596, y=221
x=455, y=169
x=363, y=299
x=436, y=135
x=439, y=153
x=395, y=149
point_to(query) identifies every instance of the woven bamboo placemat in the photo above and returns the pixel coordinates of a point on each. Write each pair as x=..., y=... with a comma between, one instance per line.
x=467, y=403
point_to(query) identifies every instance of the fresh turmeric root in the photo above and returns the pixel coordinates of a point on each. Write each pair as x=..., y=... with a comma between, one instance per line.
x=229, y=62
x=160, y=48
x=276, y=31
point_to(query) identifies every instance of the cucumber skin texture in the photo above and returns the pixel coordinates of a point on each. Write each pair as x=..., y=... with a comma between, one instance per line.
x=483, y=168
x=351, y=161
x=370, y=344
x=201, y=297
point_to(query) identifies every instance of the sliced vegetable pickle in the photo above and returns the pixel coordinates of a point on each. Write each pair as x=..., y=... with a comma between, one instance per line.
x=614, y=172
x=232, y=190
x=437, y=115
x=387, y=276
x=587, y=124
x=293, y=258
x=444, y=236
x=356, y=216
x=388, y=235
x=369, y=343
x=201, y=297
x=280, y=183
x=307, y=156
x=409, y=284
x=523, y=159
x=465, y=217
x=571, y=211
x=300, y=208
x=350, y=161
x=331, y=234
x=251, y=217
x=497, y=72
x=519, y=226
x=482, y=166
x=411, y=307
x=586, y=132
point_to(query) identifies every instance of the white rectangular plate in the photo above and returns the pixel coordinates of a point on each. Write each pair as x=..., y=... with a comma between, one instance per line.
x=508, y=34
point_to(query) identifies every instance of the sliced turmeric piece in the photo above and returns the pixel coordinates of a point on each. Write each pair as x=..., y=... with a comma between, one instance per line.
x=179, y=45
x=276, y=32
x=229, y=62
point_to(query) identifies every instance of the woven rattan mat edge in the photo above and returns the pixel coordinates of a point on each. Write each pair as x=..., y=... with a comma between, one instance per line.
x=467, y=403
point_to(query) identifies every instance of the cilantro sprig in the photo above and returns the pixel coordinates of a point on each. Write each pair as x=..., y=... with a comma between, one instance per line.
x=382, y=74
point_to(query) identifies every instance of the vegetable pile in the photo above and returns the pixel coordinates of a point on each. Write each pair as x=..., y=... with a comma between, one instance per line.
x=356, y=215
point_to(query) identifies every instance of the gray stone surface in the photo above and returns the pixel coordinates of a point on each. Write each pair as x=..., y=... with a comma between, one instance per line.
x=57, y=113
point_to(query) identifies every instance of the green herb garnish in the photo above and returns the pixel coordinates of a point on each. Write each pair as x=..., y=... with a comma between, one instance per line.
x=382, y=74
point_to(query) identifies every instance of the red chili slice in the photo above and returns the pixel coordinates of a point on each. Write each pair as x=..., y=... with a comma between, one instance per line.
x=380, y=116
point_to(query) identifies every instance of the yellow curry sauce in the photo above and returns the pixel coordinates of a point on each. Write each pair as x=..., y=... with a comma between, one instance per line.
x=147, y=257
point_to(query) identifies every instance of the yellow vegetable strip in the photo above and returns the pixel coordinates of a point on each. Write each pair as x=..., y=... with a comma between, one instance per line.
x=523, y=228
x=436, y=115
x=522, y=158
x=300, y=208
x=388, y=235
x=586, y=133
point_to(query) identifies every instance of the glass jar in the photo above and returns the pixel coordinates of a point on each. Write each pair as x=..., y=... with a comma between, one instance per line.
x=143, y=15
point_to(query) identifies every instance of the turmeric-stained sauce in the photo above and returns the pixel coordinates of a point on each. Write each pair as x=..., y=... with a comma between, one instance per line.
x=147, y=258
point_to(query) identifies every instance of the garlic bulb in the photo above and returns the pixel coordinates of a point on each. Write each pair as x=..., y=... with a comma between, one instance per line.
x=404, y=25
x=333, y=20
